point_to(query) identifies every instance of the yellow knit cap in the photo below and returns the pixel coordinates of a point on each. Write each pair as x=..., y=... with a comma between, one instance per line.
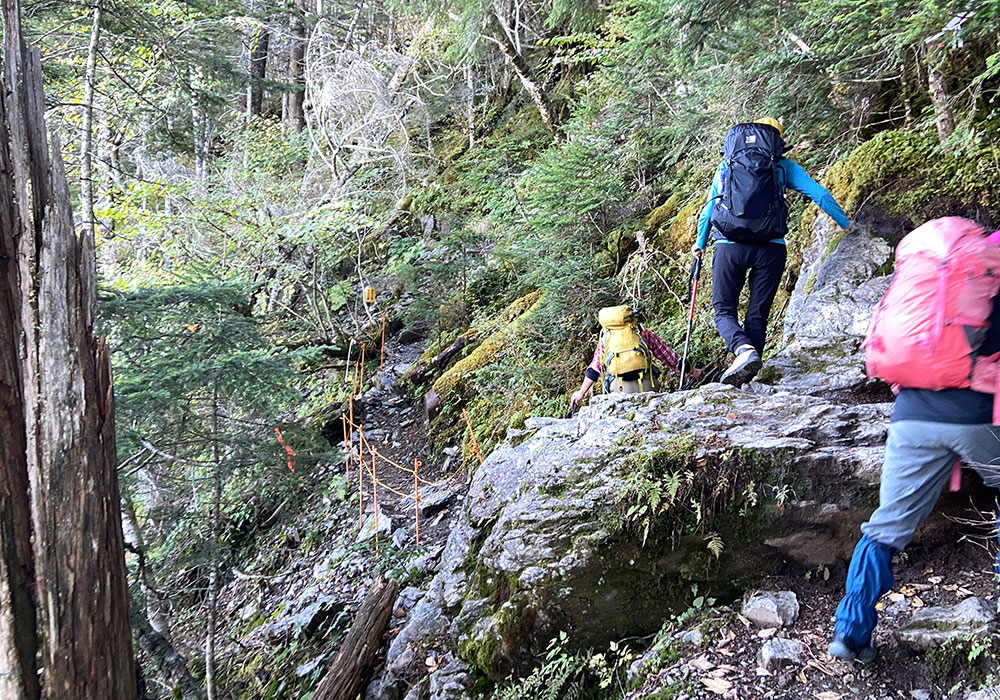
x=770, y=121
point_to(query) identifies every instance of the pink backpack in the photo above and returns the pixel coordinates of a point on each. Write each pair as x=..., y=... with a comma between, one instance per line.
x=925, y=332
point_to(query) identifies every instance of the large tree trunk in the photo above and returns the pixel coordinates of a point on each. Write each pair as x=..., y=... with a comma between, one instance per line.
x=296, y=68
x=349, y=671
x=86, y=646
x=18, y=674
x=258, y=42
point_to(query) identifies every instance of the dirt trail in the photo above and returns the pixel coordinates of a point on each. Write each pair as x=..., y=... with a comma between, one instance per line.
x=396, y=429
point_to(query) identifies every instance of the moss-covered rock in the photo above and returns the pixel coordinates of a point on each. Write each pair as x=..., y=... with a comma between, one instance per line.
x=491, y=349
x=600, y=524
x=662, y=214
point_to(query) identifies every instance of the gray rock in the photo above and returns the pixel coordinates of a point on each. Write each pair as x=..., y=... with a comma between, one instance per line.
x=428, y=559
x=540, y=525
x=691, y=637
x=416, y=693
x=452, y=682
x=828, y=315
x=432, y=501
x=379, y=690
x=932, y=627
x=920, y=694
x=369, y=528
x=640, y=667
x=992, y=693
x=309, y=618
x=769, y=609
x=778, y=653
x=409, y=597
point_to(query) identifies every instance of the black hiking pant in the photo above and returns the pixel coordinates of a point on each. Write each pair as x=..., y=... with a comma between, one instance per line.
x=732, y=264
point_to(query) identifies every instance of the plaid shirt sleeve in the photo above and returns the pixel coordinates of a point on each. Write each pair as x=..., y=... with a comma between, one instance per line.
x=661, y=351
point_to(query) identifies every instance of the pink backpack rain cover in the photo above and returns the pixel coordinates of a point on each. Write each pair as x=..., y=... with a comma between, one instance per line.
x=925, y=332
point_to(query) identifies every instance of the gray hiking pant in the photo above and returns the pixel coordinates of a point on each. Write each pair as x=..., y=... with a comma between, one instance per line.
x=633, y=386
x=919, y=456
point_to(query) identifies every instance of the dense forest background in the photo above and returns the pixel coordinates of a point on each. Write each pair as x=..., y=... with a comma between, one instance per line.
x=251, y=166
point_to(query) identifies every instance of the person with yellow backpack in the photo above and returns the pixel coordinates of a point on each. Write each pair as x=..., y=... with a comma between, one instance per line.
x=624, y=355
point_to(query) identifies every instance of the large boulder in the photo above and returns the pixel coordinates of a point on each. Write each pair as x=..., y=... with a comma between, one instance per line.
x=828, y=316
x=600, y=525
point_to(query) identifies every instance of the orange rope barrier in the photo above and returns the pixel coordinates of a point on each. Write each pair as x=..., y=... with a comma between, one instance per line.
x=361, y=384
x=416, y=497
x=472, y=434
x=375, y=497
x=381, y=354
x=361, y=477
x=347, y=448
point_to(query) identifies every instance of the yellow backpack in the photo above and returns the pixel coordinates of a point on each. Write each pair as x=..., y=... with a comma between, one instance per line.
x=624, y=348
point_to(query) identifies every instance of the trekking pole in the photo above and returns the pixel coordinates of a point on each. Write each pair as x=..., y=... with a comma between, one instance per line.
x=693, y=281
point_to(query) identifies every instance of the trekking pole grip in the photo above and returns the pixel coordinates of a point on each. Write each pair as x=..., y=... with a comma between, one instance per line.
x=696, y=269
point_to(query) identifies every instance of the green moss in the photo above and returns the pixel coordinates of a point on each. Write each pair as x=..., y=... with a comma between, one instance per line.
x=680, y=235
x=905, y=173
x=662, y=214
x=768, y=375
x=491, y=348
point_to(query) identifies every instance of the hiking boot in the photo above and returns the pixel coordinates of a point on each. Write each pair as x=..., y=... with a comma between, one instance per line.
x=846, y=649
x=744, y=367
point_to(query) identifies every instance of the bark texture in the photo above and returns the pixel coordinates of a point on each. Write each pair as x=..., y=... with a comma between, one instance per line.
x=68, y=409
x=297, y=68
x=526, y=76
x=348, y=672
x=937, y=86
x=258, y=43
x=18, y=677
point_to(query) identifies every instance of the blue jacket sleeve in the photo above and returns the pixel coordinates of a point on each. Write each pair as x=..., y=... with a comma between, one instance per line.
x=799, y=180
x=706, y=211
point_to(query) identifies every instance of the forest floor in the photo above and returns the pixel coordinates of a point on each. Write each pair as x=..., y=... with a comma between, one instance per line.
x=947, y=563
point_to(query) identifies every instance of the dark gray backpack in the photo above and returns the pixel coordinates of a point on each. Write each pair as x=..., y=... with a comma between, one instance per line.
x=751, y=206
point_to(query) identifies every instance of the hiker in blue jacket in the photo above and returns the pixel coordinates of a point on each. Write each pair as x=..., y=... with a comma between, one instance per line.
x=746, y=208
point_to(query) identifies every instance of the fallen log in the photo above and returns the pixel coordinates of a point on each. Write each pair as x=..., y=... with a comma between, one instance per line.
x=421, y=373
x=350, y=669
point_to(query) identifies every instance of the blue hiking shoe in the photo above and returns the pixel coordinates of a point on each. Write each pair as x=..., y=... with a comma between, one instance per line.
x=846, y=649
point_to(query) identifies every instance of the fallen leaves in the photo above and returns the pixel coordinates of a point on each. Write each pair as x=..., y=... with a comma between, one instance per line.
x=719, y=686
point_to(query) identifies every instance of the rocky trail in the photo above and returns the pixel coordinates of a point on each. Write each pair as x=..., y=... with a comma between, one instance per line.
x=565, y=528
x=558, y=533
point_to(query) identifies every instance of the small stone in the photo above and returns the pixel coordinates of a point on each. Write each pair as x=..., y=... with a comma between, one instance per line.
x=691, y=637
x=991, y=693
x=932, y=627
x=769, y=609
x=920, y=694
x=640, y=667
x=451, y=682
x=775, y=654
